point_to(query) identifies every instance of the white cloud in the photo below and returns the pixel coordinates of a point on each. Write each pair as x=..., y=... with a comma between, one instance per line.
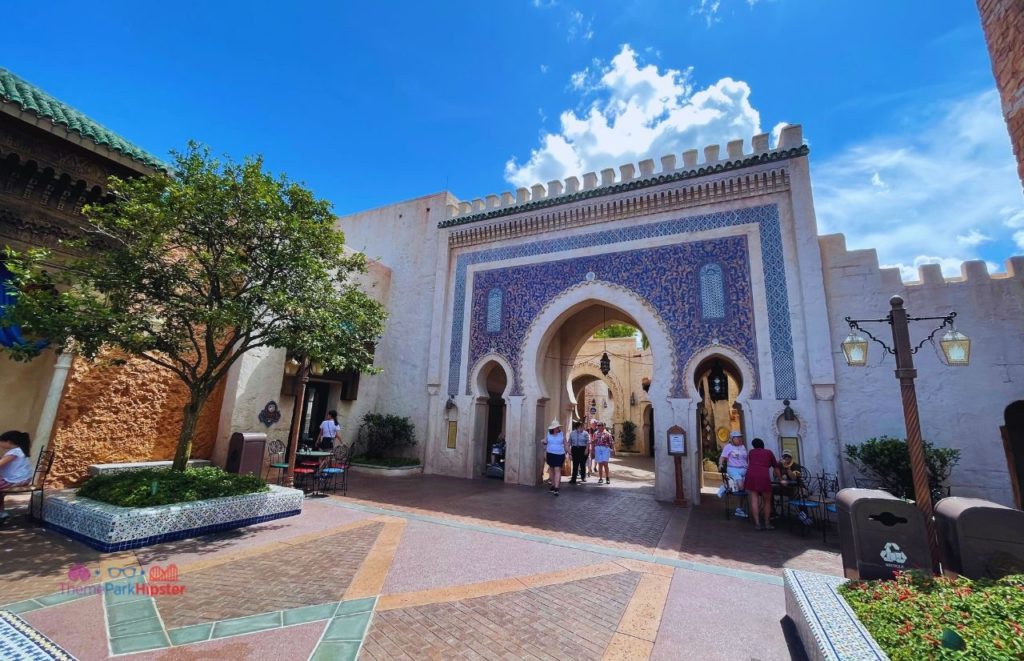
x=543, y=68
x=926, y=196
x=580, y=26
x=776, y=132
x=638, y=112
x=709, y=10
x=1018, y=238
x=973, y=238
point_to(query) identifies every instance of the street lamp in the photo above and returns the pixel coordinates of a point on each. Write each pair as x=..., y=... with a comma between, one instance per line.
x=956, y=348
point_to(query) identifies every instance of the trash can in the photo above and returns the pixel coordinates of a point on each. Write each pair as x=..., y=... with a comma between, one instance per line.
x=880, y=534
x=245, y=453
x=979, y=538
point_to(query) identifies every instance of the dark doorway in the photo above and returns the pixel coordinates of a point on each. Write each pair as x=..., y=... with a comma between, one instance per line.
x=649, y=421
x=1013, y=443
x=314, y=410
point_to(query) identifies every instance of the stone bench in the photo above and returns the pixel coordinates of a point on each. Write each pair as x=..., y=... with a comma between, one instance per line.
x=104, y=469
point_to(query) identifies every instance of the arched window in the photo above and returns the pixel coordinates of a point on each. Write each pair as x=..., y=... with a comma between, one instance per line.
x=712, y=292
x=495, y=298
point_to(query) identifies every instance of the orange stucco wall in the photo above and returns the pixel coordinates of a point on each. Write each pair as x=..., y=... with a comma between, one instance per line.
x=124, y=412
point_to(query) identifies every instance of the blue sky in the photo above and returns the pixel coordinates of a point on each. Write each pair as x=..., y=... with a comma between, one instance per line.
x=371, y=103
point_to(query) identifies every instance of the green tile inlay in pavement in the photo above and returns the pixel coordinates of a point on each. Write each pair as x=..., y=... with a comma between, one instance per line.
x=22, y=606
x=306, y=614
x=62, y=598
x=139, y=643
x=356, y=606
x=246, y=624
x=121, y=594
x=348, y=627
x=122, y=613
x=195, y=633
x=135, y=627
x=330, y=650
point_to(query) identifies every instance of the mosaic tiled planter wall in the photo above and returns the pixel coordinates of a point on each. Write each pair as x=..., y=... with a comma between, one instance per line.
x=111, y=528
x=386, y=471
x=828, y=627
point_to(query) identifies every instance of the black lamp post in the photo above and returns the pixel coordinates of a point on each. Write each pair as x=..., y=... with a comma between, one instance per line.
x=956, y=348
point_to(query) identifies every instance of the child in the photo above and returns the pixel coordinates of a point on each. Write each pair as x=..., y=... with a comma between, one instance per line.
x=15, y=469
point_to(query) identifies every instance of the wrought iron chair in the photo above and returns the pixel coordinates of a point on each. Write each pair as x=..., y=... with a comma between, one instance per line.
x=805, y=499
x=742, y=500
x=336, y=472
x=38, y=484
x=276, y=456
x=828, y=487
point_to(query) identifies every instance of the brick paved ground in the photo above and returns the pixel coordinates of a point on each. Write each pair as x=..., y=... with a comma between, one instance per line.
x=34, y=561
x=573, y=620
x=315, y=572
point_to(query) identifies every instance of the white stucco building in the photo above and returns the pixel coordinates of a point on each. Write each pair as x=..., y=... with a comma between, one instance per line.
x=717, y=258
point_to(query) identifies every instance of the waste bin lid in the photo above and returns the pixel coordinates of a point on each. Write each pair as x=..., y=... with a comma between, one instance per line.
x=249, y=436
x=847, y=497
x=982, y=519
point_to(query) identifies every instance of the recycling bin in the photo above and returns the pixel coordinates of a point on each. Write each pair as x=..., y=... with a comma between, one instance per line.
x=979, y=538
x=245, y=453
x=880, y=534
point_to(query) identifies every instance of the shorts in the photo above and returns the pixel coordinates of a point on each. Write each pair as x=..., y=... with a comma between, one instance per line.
x=602, y=453
x=737, y=475
x=555, y=460
x=4, y=484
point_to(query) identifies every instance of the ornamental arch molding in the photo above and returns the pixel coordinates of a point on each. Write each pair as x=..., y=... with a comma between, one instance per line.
x=751, y=386
x=555, y=312
x=478, y=376
x=591, y=368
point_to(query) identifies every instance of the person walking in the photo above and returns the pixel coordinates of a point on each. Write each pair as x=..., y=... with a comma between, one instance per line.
x=591, y=458
x=579, y=444
x=758, y=483
x=603, y=449
x=733, y=462
x=556, y=448
x=329, y=429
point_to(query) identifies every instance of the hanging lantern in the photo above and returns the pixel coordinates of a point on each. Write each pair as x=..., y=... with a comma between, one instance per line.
x=606, y=364
x=956, y=347
x=718, y=383
x=855, y=348
x=645, y=383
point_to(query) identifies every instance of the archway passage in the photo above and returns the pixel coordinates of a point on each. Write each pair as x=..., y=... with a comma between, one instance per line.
x=491, y=453
x=592, y=376
x=717, y=382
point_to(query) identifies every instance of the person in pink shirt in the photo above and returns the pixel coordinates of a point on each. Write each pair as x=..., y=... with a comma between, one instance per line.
x=733, y=461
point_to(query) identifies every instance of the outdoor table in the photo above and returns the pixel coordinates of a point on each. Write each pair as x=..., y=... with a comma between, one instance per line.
x=319, y=455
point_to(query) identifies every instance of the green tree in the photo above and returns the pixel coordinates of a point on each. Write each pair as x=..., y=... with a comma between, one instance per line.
x=887, y=460
x=615, y=330
x=193, y=270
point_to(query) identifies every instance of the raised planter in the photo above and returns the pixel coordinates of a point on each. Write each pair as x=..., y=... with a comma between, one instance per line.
x=386, y=471
x=106, y=469
x=828, y=627
x=112, y=528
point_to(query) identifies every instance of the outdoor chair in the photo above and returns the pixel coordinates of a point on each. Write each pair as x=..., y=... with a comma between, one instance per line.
x=336, y=472
x=38, y=484
x=742, y=501
x=828, y=487
x=276, y=455
x=805, y=499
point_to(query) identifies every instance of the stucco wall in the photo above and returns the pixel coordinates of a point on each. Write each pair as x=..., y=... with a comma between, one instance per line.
x=127, y=412
x=24, y=387
x=960, y=407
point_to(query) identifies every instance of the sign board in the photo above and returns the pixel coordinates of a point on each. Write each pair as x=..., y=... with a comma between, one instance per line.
x=453, y=433
x=676, y=441
x=593, y=409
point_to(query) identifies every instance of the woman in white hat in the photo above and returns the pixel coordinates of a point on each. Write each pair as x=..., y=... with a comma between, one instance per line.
x=556, y=447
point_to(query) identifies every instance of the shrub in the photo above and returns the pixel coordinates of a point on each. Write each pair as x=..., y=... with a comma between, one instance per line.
x=628, y=434
x=918, y=616
x=160, y=486
x=888, y=460
x=385, y=435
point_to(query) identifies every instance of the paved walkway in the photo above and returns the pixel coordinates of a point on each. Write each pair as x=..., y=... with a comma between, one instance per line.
x=433, y=567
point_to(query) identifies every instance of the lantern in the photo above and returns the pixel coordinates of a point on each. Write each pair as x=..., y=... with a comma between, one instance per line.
x=855, y=348
x=606, y=364
x=956, y=347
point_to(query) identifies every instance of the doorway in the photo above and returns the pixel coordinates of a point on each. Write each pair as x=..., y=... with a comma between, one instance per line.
x=1013, y=443
x=314, y=410
x=492, y=448
x=718, y=383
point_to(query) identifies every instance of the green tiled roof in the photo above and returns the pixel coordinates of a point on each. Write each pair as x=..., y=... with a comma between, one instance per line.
x=34, y=100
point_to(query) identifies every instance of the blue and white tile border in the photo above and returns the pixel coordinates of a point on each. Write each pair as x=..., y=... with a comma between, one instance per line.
x=766, y=217
x=827, y=626
x=19, y=640
x=111, y=528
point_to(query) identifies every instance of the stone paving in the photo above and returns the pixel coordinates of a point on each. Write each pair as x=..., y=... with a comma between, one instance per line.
x=432, y=567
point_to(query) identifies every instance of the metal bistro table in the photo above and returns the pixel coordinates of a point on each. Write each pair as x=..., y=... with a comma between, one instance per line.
x=320, y=456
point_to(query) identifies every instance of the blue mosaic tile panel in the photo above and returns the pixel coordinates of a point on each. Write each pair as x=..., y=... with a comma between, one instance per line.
x=827, y=626
x=494, y=305
x=18, y=640
x=765, y=217
x=110, y=528
x=666, y=277
x=712, y=292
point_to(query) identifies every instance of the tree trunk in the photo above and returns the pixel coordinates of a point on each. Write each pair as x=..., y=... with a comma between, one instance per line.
x=188, y=428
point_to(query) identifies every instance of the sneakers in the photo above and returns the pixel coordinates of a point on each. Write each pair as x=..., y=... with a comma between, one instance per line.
x=600, y=480
x=721, y=491
x=608, y=481
x=554, y=491
x=804, y=519
x=740, y=513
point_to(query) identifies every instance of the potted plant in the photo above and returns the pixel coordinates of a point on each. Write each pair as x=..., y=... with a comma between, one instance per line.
x=628, y=435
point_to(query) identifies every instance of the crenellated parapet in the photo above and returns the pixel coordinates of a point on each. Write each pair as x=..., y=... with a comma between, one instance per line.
x=633, y=177
x=839, y=262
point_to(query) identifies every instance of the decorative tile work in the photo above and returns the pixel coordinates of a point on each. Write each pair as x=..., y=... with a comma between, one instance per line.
x=106, y=469
x=666, y=277
x=111, y=528
x=712, y=292
x=765, y=217
x=18, y=640
x=494, y=308
x=828, y=627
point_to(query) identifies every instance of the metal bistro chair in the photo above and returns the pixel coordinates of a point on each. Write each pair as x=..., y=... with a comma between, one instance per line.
x=277, y=460
x=336, y=470
x=805, y=499
x=828, y=487
x=38, y=483
x=730, y=492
